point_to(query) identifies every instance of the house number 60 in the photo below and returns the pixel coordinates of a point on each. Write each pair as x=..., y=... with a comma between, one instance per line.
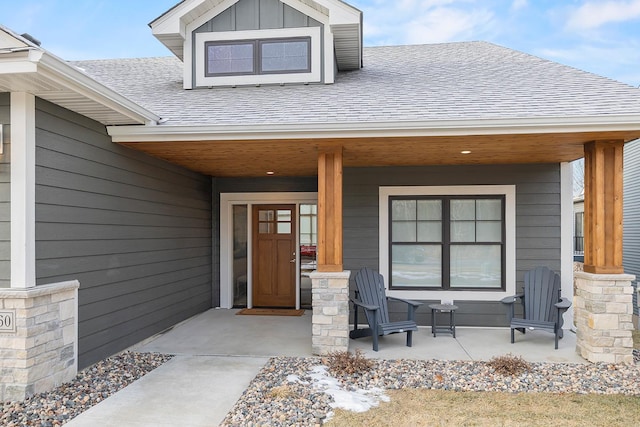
x=7, y=322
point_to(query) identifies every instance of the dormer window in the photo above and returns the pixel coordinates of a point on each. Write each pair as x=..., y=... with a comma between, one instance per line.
x=265, y=56
x=285, y=56
x=228, y=58
x=276, y=56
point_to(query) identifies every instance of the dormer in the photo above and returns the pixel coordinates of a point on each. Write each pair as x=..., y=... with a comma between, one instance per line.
x=256, y=42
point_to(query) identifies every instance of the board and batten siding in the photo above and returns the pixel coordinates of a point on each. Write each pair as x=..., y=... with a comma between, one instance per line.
x=5, y=194
x=247, y=15
x=135, y=231
x=537, y=221
x=257, y=15
x=631, y=213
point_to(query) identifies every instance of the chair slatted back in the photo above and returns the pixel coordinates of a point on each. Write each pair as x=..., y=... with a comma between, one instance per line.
x=541, y=292
x=370, y=285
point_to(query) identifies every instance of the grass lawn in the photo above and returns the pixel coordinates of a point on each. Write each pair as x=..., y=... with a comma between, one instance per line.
x=414, y=407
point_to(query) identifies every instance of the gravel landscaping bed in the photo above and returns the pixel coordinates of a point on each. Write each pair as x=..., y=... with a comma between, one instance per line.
x=294, y=391
x=287, y=391
x=90, y=387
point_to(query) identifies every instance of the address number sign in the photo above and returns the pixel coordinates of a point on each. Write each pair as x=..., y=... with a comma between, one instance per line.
x=7, y=321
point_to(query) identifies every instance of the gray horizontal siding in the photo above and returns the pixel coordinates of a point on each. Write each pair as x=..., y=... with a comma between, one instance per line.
x=537, y=220
x=631, y=212
x=134, y=230
x=5, y=194
x=250, y=185
x=469, y=313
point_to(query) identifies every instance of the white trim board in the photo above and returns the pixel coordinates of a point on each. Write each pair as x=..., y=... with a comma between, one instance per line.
x=566, y=238
x=23, y=190
x=509, y=191
x=457, y=127
x=227, y=201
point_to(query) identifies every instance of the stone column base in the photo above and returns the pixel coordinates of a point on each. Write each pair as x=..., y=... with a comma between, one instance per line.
x=330, y=318
x=604, y=317
x=38, y=349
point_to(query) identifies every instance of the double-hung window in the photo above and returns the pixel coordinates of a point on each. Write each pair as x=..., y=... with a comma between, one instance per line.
x=448, y=242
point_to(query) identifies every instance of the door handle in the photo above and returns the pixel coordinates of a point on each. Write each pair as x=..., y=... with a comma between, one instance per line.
x=293, y=260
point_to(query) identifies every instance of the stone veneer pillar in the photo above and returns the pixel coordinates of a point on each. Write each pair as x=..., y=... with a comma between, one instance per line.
x=603, y=316
x=39, y=351
x=330, y=318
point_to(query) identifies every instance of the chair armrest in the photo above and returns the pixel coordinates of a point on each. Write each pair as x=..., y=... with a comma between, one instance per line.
x=411, y=306
x=511, y=299
x=406, y=301
x=365, y=306
x=564, y=304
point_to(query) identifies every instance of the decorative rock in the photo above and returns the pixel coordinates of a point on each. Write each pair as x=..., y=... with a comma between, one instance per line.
x=258, y=408
x=88, y=388
x=305, y=404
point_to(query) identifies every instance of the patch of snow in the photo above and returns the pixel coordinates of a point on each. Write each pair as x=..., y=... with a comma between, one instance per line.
x=358, y=400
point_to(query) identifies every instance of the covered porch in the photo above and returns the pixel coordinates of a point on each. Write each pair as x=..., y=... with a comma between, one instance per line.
x=603, y=322
x=219, y=332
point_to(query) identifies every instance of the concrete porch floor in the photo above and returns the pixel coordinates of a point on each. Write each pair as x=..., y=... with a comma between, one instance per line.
x=218, y=354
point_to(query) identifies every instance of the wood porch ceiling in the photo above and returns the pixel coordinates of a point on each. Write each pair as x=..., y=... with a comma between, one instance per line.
x=299, y=157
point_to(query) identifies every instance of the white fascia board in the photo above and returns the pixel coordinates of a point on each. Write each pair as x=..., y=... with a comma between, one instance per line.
x=16, y=67
x=179, y=19
x=21, y=61
x=340, y=12
x=171, y=22
x=309, y=11
x=380, y=129
x=56, y=70
x=72, y=78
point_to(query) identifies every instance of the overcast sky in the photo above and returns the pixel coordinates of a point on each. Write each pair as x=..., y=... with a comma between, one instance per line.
x=600, y=36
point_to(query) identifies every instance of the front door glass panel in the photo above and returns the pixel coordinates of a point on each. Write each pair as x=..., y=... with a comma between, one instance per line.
x=240, y=255
x=308, y=245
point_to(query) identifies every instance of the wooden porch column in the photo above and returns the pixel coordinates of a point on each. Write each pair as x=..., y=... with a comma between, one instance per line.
x=329, y=255
x=603, y=207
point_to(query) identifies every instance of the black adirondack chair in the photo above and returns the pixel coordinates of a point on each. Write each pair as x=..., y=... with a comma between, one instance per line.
x=542, y=303
x=371, y=297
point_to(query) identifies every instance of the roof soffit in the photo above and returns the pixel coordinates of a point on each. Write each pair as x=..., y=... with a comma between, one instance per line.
x=28, y=68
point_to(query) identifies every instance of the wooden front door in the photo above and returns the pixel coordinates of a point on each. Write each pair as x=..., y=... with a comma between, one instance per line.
x=274, y=255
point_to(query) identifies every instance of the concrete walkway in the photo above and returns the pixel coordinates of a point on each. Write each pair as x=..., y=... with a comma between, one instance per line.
x=219, y=353
x=193, y=391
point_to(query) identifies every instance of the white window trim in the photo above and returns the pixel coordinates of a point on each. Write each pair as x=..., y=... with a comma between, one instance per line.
x=509, y=191
x=566, y=240
x=227, y=201
x=254, y=79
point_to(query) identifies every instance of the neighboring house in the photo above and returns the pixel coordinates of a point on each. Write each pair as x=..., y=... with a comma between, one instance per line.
x=631, y=240
x=270, y=155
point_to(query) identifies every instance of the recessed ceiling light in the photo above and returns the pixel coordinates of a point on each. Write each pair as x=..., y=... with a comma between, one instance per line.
x=465, y=152
x=270, y=173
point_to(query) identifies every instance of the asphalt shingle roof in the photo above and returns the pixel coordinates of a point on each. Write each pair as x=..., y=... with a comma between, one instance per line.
x=468, y=81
